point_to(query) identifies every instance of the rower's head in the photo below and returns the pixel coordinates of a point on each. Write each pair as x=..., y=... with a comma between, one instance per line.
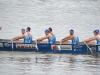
x=96, y=32
x=23, y=31
x=71, y=32
x=28, y=29
x=50, y=29
x=47, y=31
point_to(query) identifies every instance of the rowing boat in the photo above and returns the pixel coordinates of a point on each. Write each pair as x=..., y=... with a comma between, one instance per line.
x=7, y=45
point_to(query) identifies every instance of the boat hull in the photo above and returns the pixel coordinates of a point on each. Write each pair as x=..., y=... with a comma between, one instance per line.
x=48, y=48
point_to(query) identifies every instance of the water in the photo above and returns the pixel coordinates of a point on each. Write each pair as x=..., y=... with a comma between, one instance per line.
x=81, y=15
x=48, y=64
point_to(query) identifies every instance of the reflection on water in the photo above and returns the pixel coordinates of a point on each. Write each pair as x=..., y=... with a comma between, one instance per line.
x=48, y=64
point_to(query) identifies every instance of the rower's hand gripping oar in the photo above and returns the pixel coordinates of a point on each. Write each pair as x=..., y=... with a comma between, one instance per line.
x=88, y=47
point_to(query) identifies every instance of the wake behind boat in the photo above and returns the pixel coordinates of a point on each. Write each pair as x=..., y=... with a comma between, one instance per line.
x=7, y=45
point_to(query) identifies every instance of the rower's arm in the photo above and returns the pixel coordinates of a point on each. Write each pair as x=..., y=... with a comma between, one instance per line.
x=66, y=38
x=45, y=37
x=90, y=39
x=18, y=37
x=15, y=38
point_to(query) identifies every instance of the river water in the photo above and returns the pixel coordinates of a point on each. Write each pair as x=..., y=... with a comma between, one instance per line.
x=62, y=15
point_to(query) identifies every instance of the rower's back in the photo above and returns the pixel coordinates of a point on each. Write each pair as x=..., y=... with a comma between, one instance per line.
x=76, y=41
x=98, y=41
x=52, y=40
x=98, y=36
x=53, y=37
x=28, y=38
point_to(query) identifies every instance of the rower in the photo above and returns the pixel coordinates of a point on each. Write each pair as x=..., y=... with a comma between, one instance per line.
x=28, y=37
x=47, y=36
x=17, y=39
x=74, y=39
x=53, y=36
x=95, y=37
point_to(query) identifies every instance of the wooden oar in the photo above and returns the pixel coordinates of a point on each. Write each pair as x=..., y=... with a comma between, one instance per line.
x=88, y=47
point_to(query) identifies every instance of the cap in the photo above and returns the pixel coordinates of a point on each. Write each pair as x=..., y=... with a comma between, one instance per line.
x=23, y=29
x=71, y=30
x=46, y=30
x=96, y=31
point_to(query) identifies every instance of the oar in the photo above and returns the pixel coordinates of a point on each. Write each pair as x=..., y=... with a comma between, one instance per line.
x=12, y=44
x=60, y=46
x=88, y=47
x=36, y=44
